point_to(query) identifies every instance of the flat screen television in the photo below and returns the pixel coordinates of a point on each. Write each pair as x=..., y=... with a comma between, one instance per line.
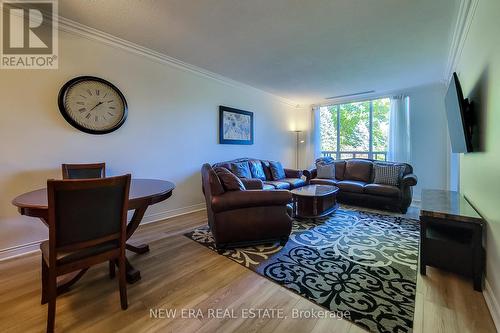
x=459, y=118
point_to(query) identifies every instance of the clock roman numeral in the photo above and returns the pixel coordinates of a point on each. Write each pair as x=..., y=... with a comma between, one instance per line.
x=82, y=110
x=96, y=118
x=80, y=103
x=89, y=92
x=112, y=107
x=83, y=96
x=111, y=114
x=88, y=116
x=111, y=101
x=97, y=92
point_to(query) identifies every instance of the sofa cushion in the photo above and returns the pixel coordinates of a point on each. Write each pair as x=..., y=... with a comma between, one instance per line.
x=382, y=190
x=277, y=170
x=241, y=169
x=339, y=170
x=293, y=173
x=359, y=170
x=353, y=186
x=322, y=181
x=280, y=185
x=229, y=181
x=257, y=170
x=387, y=174
x=252, y=183
x=294, y=182
x=268, y=187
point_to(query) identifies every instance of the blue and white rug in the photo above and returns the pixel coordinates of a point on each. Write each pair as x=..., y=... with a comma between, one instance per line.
x=356, y=261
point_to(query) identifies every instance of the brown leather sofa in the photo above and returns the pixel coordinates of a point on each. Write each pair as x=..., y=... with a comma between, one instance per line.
x=355, y=178
x=241, y=218
x=293, y=178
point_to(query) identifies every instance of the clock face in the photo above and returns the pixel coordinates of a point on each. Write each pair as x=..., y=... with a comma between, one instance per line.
x=92, y=105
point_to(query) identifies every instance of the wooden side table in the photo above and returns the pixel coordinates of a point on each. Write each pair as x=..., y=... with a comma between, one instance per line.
x=451, y=235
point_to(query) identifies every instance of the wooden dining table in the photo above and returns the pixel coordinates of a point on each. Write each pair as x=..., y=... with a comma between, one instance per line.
x=142, y=194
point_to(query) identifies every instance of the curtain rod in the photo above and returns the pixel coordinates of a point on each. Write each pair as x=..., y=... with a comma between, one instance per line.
x=361, y=99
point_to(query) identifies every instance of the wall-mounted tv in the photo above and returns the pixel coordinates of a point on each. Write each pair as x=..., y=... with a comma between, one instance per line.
x=458, y=111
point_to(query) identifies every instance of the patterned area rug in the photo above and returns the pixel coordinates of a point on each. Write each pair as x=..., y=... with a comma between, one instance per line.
x=356, y=261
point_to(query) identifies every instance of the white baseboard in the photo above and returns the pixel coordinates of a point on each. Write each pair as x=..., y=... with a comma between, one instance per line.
x=492, y=303
x=172, y=213
x=20, y=250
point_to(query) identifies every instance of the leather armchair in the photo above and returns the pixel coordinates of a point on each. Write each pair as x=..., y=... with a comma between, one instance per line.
x=242, y=218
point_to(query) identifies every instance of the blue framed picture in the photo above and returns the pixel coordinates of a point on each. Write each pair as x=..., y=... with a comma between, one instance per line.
x=235, y=126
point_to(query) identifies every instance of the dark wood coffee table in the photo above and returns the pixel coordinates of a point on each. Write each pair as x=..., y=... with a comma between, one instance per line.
x=313, y=201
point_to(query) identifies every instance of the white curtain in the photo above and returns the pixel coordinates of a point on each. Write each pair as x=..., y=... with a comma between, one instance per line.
x=399, y=130
x=315, y=134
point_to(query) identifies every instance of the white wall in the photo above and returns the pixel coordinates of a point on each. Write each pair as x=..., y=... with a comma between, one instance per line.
x=171, y=130
x=429, y=145
x=479, y=72
x=429, y=137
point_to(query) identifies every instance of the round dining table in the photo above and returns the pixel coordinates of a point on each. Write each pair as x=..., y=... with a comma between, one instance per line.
x=142, y=194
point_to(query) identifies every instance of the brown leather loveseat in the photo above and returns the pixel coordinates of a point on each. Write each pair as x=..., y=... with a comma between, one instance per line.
x=241, y=217
x=355, y=178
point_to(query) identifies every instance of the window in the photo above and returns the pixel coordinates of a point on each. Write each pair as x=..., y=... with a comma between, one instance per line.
x=355, y=129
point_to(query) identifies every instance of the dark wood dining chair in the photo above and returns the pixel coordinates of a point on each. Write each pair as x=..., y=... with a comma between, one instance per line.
x=83, y=171
x=87, y=225
x=87, y=171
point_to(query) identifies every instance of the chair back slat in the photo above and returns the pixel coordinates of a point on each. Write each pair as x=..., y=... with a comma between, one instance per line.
x=84, y=171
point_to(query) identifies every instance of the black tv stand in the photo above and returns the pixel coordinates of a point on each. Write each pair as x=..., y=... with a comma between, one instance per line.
x=451, y=235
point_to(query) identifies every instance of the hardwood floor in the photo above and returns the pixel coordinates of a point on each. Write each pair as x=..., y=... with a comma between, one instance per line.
x=180, y=274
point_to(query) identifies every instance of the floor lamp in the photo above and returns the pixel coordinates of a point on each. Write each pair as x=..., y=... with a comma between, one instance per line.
x=297, y=139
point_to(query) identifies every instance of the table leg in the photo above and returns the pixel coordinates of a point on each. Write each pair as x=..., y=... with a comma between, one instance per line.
x=133, y=275
x=294, y=206
x=423, y=235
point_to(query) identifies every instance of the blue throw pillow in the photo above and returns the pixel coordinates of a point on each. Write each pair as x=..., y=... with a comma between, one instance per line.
x=277, y=170
x=257, y=170
x=241, y=169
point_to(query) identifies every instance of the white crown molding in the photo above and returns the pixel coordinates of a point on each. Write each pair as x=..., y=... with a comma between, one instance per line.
x=82, y=30
x=466, y=12
x=492, y=303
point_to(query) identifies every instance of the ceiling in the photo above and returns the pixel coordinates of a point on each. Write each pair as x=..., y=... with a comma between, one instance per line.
x=300, y=50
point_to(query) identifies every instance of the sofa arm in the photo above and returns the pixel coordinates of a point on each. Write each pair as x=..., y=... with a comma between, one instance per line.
x=244, y=199
x=293, y=173
x=409, y=180
x=310, y=173
x=252, y=183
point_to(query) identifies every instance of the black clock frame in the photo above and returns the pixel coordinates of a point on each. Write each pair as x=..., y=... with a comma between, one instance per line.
x=62, y=96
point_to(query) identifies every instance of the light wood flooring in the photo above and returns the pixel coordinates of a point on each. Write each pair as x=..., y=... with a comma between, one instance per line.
x=180, y=274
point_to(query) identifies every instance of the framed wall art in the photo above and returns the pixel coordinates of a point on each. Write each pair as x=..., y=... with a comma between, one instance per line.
x=235, y=126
